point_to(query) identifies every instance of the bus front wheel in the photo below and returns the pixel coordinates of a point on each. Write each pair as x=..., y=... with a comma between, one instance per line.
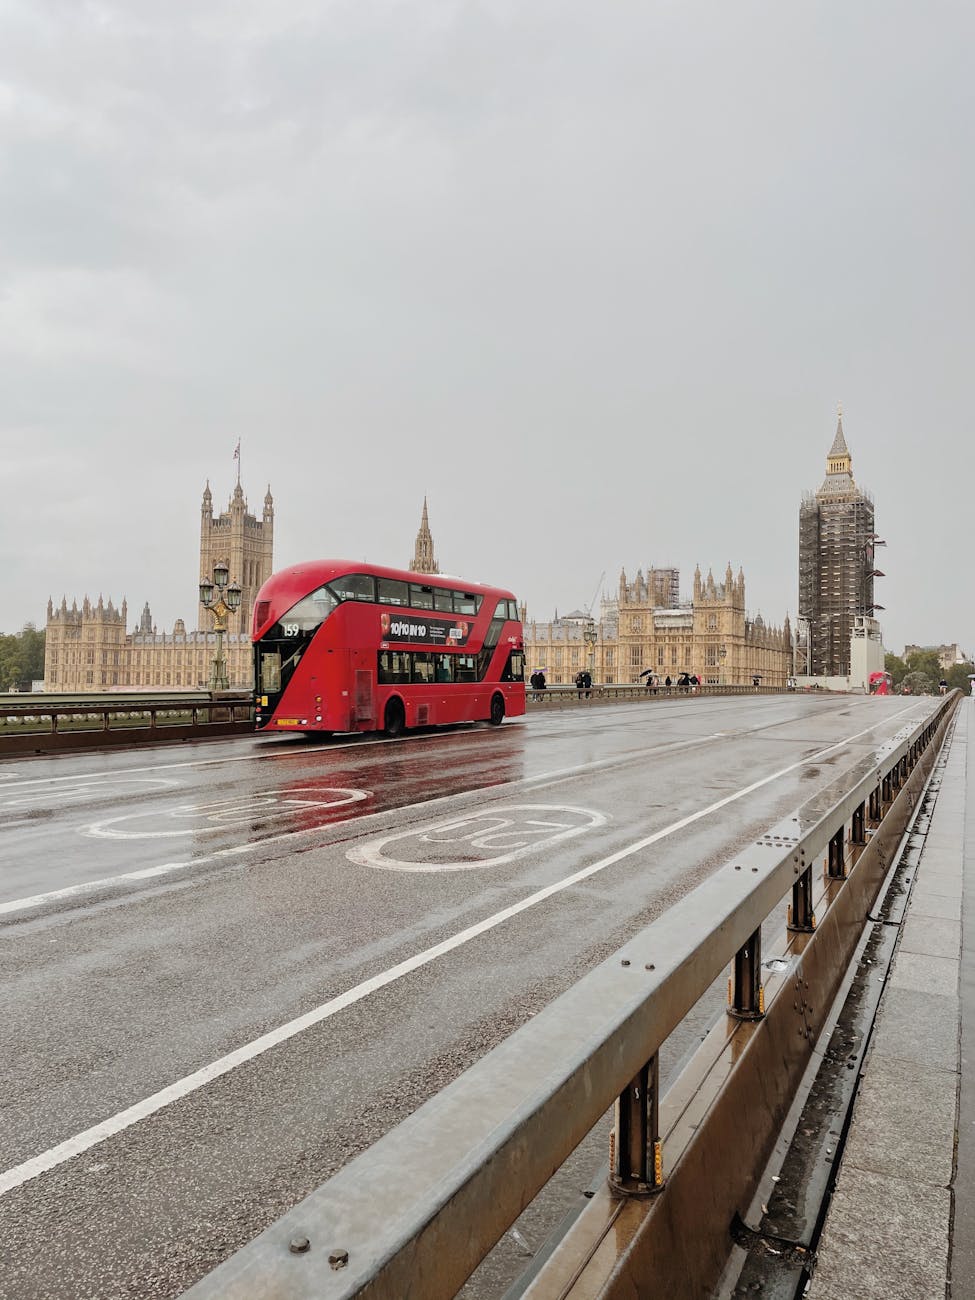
x=395, y=719
x=497, y=711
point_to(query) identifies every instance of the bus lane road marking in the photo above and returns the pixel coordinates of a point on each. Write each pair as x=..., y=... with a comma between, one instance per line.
x=487, y=838
x=124, y=1119
x=221, y=813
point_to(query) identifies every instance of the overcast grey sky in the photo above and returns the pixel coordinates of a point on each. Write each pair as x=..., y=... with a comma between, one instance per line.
x=592, y=277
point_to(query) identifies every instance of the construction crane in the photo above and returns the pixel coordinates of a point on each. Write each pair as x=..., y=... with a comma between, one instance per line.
x=602, y=578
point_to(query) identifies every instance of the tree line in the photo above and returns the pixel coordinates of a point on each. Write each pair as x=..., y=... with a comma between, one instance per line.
x=921, y=673
x=21, y=658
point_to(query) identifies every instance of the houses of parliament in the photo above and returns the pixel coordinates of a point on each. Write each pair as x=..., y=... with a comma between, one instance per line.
x=88, y=647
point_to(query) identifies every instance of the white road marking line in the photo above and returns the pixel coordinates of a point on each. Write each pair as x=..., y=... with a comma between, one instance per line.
x=84, y=1141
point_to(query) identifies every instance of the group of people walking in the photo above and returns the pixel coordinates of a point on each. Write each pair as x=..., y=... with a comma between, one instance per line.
x=583, y=681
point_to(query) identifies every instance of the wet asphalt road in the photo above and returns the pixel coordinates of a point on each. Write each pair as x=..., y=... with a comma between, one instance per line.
x=169, y=915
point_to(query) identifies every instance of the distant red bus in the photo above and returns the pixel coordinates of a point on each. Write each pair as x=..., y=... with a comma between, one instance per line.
x=881, y=684
x=346, y=646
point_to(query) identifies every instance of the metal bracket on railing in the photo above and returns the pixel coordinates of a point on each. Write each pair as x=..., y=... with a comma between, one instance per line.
x=636, y=1156
x=746, y=993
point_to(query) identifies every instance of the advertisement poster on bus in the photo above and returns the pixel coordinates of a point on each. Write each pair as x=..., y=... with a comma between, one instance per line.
x=423, y=631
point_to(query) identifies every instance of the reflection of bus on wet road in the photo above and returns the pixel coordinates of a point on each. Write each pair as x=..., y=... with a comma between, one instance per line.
x=881, y=684
x=344, y=646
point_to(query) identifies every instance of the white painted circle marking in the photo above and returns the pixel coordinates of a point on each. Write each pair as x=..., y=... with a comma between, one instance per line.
x=223, y=813
x=516, y=829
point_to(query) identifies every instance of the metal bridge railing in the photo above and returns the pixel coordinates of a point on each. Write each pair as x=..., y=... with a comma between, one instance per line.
x=565, y=693
x=416, y=1213
x=43, y=723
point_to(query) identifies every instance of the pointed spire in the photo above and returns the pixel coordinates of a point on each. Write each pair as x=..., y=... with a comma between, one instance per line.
x=839, y=447
x=424, y=560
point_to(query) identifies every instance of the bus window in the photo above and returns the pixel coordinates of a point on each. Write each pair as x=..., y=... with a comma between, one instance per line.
x=422, y=666
x=270, y=682
x=514, y=669
x=309, y=613
x=355, y=586
x=394, y=666
x=465, y=603
x=465, y=668
x=421, y=597
x=444, y=668
x=443, y=600
x=513, y=611
x=392, y=592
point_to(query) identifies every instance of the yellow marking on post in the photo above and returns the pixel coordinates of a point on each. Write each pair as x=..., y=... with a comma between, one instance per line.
x=729, y=990
x=658, y=1163
x=761, y=999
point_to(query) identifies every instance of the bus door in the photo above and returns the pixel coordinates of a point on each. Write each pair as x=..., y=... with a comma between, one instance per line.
x=363, y=689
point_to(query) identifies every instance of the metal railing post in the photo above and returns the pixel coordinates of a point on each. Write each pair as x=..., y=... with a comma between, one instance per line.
x=858, y=825
x=746, y=994
x=875, y=807
x=802, y=918
x=636, y=1168
x=836, y=857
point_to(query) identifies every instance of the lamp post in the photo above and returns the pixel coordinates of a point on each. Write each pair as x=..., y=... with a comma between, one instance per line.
x=722, y=655
x=220, y=599
x=590, y=634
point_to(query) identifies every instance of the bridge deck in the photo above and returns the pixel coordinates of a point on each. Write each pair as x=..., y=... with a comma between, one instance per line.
x=228, y=969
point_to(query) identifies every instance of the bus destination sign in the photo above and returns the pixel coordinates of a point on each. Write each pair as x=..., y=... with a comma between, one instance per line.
x=423, y=631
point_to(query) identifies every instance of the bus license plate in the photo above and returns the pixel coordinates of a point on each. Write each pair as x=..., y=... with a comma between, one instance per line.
x=287, y=722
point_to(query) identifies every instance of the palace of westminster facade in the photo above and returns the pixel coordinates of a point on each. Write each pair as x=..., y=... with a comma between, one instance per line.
x=647, y=626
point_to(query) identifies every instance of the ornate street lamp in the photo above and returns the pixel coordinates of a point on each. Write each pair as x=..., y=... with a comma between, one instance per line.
x=590, y=634
x=722, y=655
x=220, y=599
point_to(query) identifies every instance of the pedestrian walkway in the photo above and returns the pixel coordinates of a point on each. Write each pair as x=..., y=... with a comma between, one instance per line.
x=901, y=1223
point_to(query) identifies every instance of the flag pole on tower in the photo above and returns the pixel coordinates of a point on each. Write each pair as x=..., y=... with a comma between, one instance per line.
x=237, y=459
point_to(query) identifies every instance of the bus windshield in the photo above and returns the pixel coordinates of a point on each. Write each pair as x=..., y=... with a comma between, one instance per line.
x=280, y=649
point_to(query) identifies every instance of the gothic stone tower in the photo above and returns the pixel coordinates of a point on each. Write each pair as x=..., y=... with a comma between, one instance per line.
x=244, y=543
x=424, y=560
x=836, y=535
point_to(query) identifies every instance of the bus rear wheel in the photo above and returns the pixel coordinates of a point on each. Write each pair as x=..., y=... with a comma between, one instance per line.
x=497, y=710
x=395, y=719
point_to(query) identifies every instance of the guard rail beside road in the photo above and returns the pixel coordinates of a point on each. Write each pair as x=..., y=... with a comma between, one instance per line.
x=46, y=723
x=416, y=1213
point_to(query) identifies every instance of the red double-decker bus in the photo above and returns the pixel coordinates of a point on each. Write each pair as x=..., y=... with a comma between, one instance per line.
x=345, y=646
